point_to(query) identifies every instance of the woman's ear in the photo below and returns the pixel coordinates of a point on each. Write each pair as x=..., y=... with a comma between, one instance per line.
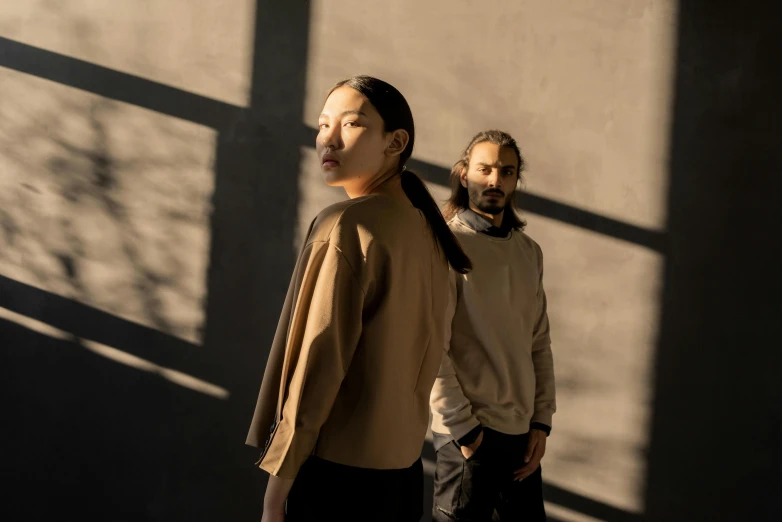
x=397, y=142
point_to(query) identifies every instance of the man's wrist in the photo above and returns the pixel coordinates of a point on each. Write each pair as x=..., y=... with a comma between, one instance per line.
x=470, y=437
x=545, y=428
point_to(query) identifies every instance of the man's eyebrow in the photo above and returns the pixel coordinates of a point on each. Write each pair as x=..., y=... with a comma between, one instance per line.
x=482, y=164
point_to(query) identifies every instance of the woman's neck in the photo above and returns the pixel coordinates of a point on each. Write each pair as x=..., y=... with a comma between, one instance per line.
x=389, y=183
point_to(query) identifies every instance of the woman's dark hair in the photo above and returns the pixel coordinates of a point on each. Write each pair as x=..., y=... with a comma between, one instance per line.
x=396, y=114
x=460, y=198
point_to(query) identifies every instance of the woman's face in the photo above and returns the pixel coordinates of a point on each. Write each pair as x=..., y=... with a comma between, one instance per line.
x=352, y=143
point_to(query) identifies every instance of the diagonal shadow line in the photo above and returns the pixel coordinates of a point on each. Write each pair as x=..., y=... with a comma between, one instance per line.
x=587, y=506
x=569, y=214
x=87, y=322
x=117, y=85
x=651, y=239
x=542, y=206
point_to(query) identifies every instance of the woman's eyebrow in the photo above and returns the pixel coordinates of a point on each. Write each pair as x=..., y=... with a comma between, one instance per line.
x=356, y=112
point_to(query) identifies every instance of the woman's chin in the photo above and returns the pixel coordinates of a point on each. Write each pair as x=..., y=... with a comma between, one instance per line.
x=332, y=178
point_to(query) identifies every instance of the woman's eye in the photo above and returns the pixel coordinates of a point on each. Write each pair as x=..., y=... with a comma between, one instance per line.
x=351, y=124
x=323, y=125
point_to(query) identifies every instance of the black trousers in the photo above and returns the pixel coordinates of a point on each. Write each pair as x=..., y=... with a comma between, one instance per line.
x=326, y=491
x=472, y=489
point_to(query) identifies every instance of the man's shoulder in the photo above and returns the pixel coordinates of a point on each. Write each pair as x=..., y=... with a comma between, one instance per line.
x=529, y=246
x=460, y=228
x=525, y=239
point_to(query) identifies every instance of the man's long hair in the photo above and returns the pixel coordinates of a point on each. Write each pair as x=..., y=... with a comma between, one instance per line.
x=460, y=198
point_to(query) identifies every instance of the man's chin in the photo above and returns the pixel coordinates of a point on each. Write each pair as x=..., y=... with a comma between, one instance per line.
x=492, y=210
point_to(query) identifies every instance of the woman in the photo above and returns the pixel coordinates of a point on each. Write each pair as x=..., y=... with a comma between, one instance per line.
x=343, y=407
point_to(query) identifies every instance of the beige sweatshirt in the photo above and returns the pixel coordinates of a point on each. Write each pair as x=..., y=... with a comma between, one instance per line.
x=358, y=345
x=497, y=369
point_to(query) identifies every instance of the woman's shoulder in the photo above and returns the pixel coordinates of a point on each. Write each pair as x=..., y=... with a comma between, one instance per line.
x=368, y=213
x=373, y=214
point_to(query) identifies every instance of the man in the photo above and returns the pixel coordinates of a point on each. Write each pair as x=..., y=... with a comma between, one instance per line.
x=493, y=400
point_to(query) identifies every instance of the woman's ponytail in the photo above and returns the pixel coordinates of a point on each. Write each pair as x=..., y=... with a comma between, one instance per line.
x=396, y=114
x=419, y=196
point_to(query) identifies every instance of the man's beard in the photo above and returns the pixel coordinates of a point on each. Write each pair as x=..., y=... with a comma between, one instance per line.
x=484, y=205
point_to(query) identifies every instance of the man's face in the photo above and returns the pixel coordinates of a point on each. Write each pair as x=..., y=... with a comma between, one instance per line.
x=491, y=177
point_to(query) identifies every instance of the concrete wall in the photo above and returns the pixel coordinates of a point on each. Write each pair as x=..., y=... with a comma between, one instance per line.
x=156, y=173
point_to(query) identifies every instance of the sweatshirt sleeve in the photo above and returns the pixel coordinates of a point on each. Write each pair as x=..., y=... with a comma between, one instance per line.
x=542, y=359
x=447, y=397
x=324, y=331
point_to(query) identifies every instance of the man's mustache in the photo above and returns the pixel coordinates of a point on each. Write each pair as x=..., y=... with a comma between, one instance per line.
x=493, y=191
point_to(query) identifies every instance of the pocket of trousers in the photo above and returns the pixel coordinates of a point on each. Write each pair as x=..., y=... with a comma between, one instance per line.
x=477, y=488
x=481, y=449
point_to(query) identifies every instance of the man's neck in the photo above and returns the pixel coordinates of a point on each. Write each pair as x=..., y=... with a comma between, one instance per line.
x=494, y=220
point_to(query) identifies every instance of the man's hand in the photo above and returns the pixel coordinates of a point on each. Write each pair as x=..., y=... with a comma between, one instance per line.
x=469, y=451
x=535, y=450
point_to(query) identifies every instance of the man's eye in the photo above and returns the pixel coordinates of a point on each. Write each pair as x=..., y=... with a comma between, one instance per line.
x=351, y=124
x=323, y=125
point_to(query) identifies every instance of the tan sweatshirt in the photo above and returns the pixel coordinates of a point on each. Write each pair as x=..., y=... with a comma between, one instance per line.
x=358, y=345
x=497, y=370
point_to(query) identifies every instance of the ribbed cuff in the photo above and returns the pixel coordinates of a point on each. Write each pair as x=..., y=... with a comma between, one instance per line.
x=542, y=427
x=471, y=436
x=543, y=416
